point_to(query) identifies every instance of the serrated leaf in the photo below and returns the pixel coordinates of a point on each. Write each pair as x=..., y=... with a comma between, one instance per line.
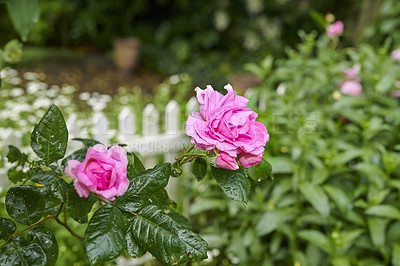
x=385, y=211
x=78, y=207
x=50, y=136
x=316, y=238
x=24, y=15
x=316, y=197
x=143, y=186
x=105, y=235
x=199, y=168
x=47, y=241
x=15, y=155
x=7, y=228
x=234, y=184
x=24, y=204
x=132, y=247
x=135, y=166
x=261, y=171
x=19, y=252
x=168, y=241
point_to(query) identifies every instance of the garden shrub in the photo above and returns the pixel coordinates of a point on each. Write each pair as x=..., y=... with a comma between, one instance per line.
x=334, y=199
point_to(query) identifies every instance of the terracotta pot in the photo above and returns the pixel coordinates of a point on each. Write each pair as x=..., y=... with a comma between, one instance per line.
x=126, y=54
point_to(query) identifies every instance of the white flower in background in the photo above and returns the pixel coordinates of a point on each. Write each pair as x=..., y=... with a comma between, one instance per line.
x=33, y=87
x=174, y=79
x=270, y=28
x=68, y=89
x=221, y=20
x=62, y=100
x=32, y=119
x=16, y=92
x=281, y=89
x=251, y=41
x=84, y=96
x=254, y=6
x=105, y=98
x=15, y=81
x=42, y=103
x=8, y=73
x=30, y=76
x=53, y=91
x=22, y=123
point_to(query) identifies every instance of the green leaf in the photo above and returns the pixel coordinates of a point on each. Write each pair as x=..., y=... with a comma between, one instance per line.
x=396, y=255
x=316, y=197
x=339, y=197
x=7, y=228
x=143, y=186
x=161, y=199
x=169, y=241
x=180, y=219
x=105, y=235
x=199, y=168
x=50, y=136
x=78, y=207
x=43, y=177
x=261, y=171
x=377, y=228
x=133, y=248
x=272, y=219
x=135, y=166
x=24, y=15
x=78, y=155
x=25, y=204
x=87, y=142
x=15, y=155
x=385, y=211
x=16, y=175
x=19, y=252
x=234, y=184
x=47, y=241
x=316, y=238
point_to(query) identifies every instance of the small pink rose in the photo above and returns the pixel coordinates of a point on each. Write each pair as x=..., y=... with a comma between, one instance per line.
x=335, y=29
x=352, y=72
x=351, y=87
x=396, y=94
x=225, y=125
x=395, y=55
x=102, y=172
x=248, y=160
x=226, y=161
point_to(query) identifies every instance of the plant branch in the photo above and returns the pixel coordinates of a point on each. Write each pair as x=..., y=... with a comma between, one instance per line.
x=33, y=225
x=68, y=228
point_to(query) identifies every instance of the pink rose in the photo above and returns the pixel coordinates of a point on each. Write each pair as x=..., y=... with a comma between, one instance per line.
x=352, y=72
x=225, y=125
x=102, y=172
x=335, y=29
x=395, y=55
x=351, y=87
x=395, y=94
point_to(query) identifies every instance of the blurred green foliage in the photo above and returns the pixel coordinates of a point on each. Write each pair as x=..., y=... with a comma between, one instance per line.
x=335, y=158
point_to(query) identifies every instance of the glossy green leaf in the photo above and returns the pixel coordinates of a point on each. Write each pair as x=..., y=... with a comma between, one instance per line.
x=135, y=166
x=316, y=197
x=234, y=184
x=78, y=207
x=105, y=235
x=43, y=177
x=47, y=241
x=19, y=252
x=180, y=219
x=199, y=168
x=16, y=175
x=78, y=155
x=50, y=136
x=25, y=204
x=161, y=199
x=15, y=155
x=385, y=211
x=143, y=186
x=261, y=171
x=169, y=241
x=24, y=15
x=316, y=238
x=7, y=228
x=132, y=247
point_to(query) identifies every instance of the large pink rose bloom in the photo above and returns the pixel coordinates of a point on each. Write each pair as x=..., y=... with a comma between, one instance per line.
x=103, y=172
x=335, y=29
x=227, y=127
x=351, y=87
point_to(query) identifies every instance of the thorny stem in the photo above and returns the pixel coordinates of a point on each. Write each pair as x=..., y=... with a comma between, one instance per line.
x=187, y=157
